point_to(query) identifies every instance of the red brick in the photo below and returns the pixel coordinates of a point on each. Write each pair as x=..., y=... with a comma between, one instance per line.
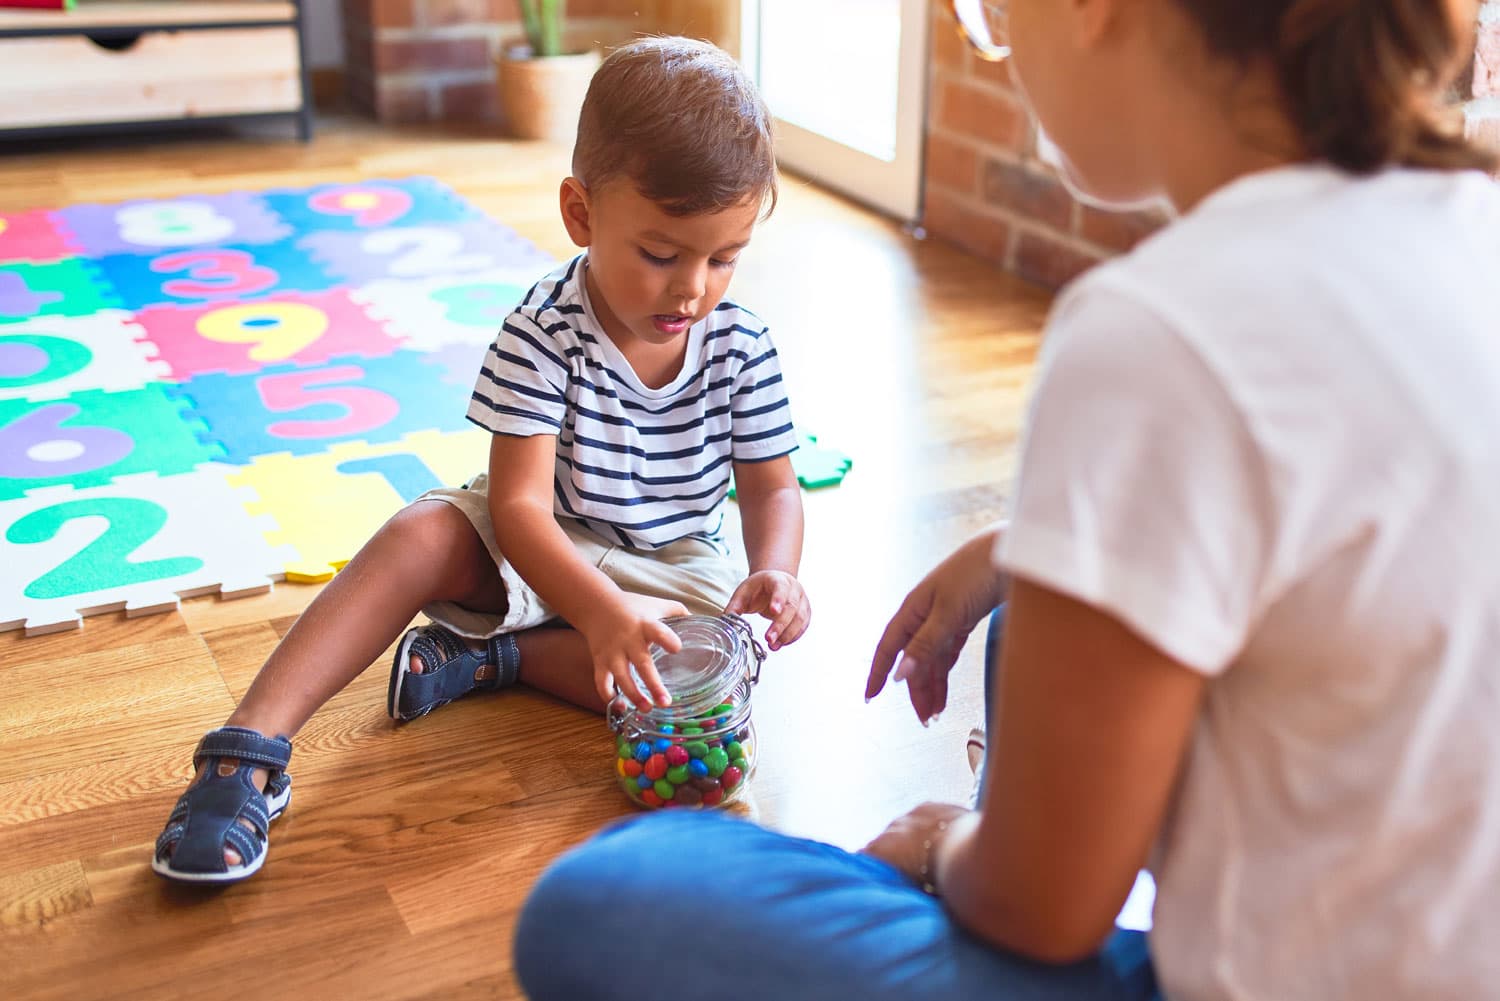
x=1484, y=129
x=445, y=13
x=1487, y=60
x=983, y=114
x=469, y=102
x=952, y=163
x=963, y=221
x=1028, y=192
x=431, y=54
x=998, y=75
x=1048, y=261
x=603, y=8
x=392, y=13
x=949, y=49
x=1119, y=230
x=411, y=103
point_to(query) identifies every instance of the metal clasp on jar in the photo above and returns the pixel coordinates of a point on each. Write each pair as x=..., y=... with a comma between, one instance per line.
x=757, y=652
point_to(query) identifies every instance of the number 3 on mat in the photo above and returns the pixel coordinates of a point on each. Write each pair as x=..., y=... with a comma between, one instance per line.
x=105, y=563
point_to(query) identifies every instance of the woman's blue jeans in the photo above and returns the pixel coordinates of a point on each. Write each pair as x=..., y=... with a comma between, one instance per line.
x=680, y=906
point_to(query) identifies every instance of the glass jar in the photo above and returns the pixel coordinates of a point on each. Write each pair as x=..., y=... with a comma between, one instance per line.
x=699, y=751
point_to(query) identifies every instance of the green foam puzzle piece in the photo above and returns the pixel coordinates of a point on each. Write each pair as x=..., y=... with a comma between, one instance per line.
x=89, y=438
x=70, y=287
x=816, y=466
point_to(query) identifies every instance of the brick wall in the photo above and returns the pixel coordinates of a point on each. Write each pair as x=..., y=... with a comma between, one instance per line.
x=424, y=60
x=1484, y=110
x=987, y=191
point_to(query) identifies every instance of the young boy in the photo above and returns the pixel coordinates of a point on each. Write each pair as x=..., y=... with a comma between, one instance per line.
x=622, y=393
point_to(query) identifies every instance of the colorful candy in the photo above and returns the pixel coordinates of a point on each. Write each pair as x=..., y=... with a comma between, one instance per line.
x=717, y=759
x=699, y=762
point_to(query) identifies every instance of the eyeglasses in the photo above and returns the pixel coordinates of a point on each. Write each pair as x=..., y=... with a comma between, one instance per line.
x=985, y=24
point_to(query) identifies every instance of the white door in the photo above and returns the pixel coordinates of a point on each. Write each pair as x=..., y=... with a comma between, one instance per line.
x=847, y=82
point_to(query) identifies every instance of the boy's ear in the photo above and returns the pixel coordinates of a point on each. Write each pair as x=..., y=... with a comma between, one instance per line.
x=577, y=209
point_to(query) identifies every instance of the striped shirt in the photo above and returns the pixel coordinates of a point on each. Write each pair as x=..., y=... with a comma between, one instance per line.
x=639, y=466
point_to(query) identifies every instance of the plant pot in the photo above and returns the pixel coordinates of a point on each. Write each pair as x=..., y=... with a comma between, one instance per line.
x=540, y=97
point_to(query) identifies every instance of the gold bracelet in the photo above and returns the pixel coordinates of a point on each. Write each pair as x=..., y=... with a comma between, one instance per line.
x=927, y=872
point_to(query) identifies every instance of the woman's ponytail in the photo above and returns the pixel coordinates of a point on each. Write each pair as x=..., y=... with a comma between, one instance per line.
x=1367, y=83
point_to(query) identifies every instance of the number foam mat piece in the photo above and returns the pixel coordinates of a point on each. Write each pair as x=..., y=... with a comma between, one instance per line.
x=137, y=544
x=210, y=393
x=326, y=505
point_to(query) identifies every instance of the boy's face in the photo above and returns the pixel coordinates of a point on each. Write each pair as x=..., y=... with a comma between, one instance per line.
x=653, y=275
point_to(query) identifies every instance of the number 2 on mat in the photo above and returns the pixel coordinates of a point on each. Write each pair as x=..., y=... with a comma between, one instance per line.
x=418, y=251
x=104, y=563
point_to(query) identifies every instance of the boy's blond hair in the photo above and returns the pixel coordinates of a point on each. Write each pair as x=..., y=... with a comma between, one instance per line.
x=681, y=120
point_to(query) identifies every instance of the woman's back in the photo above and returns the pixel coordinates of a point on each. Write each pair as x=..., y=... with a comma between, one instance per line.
x=1331, y=502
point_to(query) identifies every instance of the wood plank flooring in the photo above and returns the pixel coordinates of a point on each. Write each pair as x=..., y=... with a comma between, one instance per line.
x=399, y=869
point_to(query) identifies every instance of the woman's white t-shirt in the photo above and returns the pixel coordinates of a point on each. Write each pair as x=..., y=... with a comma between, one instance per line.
x=1268, y=440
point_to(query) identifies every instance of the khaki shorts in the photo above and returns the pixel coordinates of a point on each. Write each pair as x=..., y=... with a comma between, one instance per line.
x=691, y=571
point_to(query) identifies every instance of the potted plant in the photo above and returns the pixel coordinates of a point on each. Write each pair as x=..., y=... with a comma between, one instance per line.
x=542, y=83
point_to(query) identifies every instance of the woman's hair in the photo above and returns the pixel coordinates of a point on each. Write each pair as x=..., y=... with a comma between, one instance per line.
x=1368, y=83
x=680, y=119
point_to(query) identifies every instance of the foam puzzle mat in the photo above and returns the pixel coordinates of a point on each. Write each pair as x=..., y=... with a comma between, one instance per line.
x=211, y=393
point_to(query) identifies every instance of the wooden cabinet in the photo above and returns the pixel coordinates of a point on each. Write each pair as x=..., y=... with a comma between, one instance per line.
x=115, y=65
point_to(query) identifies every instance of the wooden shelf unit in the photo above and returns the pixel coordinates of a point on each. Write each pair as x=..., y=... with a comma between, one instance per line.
x=136, y=66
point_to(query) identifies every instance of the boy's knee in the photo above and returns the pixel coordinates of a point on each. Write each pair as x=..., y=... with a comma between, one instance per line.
x=437, y=532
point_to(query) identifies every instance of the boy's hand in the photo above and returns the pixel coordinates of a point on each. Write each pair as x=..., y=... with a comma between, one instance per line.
x=620, y=636
x=778, y=596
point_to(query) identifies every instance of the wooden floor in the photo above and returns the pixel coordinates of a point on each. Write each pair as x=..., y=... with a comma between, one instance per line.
x=399, y=869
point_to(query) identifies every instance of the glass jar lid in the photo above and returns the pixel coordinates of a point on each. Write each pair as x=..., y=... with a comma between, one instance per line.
x=717, y=653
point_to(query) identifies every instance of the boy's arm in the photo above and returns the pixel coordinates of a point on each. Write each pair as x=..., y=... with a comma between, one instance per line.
x=771, y=512
x=520, y=501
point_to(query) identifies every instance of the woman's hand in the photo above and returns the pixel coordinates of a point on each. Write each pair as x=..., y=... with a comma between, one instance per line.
x=935, y=620
x=911, y=842
x=621, y=636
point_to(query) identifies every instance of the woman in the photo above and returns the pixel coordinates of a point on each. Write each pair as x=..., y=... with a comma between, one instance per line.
x=1252, y=619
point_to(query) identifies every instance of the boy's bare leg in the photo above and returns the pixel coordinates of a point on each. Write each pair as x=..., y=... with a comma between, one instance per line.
x=556, y=660
x=427, y=552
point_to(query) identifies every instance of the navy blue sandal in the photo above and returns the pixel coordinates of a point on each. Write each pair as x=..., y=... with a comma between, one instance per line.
x=206, y=819
x=451, y=669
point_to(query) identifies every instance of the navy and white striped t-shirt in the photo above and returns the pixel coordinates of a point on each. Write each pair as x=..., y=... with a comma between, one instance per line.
x=642, y=467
